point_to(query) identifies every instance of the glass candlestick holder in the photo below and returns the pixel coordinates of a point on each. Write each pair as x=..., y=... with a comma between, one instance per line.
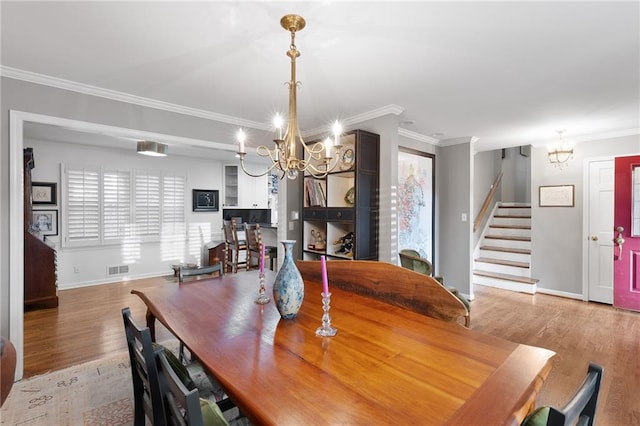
x=262, y=297
x=326, y=330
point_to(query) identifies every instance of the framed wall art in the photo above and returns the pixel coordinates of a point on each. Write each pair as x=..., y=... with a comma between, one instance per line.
x=205, y=200
x=43, y=193
x=45, y=221
x=556, y=196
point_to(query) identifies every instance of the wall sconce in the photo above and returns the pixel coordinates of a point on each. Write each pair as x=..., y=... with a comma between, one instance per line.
x=153, y=149
x=560, y=152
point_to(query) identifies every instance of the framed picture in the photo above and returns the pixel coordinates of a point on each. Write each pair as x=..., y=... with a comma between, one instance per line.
x=205, y=200
x=556, y=196
x=43, y=193
x=45, y=221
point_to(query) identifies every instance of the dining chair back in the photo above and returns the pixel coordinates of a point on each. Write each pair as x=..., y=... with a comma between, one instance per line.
x=184, y=407
x=253, y=246
x=234, y=246
x=147, y=395
x=579, y=410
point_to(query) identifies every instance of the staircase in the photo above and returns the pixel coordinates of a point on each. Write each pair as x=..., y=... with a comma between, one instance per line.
x=503, y=257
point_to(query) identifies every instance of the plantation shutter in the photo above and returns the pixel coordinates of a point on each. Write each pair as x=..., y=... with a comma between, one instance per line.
x=116, y=204
x=83, y=206
x=173, y=189
x=147, y=204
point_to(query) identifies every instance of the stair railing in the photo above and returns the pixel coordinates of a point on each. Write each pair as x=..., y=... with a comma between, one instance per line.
x=487, y=203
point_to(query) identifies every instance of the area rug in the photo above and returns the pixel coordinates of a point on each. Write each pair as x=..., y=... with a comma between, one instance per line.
x=94, y=393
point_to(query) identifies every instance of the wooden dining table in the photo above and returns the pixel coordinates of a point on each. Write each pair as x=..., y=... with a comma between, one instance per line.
x=386, y=365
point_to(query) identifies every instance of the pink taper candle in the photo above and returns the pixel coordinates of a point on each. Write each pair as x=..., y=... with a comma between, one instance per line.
x=325, y=281
x=262, y=258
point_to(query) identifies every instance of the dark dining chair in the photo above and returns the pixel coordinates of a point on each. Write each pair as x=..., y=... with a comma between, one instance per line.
x=580, y=409
x=147, y=396
x=254, y=241
x=234, y=246
x=184, y=406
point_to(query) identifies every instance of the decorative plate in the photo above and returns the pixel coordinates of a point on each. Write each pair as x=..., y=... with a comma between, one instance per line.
x=350, y=196
x=347, y=157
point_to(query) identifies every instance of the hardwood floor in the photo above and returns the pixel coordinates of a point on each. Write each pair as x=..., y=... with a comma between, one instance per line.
x=88, y=325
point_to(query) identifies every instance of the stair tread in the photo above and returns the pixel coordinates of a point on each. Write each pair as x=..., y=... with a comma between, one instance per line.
x=517, y=206
x=512, y=216
x=510, y=227
x=506, y=249
x=508, y=277
x=503, y=262
x=507, y=237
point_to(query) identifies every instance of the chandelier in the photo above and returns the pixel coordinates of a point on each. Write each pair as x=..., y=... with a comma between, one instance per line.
x=318, y=159
x=561, y=152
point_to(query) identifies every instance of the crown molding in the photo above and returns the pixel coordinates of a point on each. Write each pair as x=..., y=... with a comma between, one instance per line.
x=87, y=89
x=588, y=138
x=359, y=118
x=457, y=141
x=418, y=136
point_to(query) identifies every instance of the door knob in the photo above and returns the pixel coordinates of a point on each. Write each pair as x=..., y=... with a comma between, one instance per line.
x=619, y=240
x=594, y=238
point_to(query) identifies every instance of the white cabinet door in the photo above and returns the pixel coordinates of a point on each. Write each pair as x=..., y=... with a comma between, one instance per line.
x=244, y=191
x=253, y=191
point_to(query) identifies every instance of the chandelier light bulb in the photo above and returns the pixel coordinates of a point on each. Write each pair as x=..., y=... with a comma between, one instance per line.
x=241, y=138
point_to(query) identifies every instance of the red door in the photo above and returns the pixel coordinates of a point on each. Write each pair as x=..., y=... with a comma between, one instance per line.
x=626, y=248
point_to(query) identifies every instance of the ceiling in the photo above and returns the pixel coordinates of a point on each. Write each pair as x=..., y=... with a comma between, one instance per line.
x=506, y=73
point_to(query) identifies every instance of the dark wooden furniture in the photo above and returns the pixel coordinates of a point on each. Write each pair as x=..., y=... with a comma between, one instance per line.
x=391, y=284
x=147, y=394
x=215, y=251
x=7, y=368
x=40, y=270
x=234, y=245
x=280, y=372
x=205, y=270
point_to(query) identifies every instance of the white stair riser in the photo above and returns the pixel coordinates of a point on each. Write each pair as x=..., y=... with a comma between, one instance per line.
x=508, y=211
x=503, y=255
x=511, y=221
x=505, y=284
x=510, y=232
x=507, y=243
x=503, y=269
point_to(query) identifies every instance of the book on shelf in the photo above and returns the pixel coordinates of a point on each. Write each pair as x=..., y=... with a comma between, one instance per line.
x=316, y=193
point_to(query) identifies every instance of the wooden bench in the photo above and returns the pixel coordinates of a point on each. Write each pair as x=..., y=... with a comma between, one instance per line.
x=391, y=284
x=190, y=272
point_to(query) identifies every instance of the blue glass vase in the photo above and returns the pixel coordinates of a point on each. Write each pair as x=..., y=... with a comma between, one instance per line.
x=288, y=288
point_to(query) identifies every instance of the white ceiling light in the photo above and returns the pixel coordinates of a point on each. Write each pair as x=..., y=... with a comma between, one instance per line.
x=153, y=149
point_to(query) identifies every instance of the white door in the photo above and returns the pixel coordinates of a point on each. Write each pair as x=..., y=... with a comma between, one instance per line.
x=600, y=231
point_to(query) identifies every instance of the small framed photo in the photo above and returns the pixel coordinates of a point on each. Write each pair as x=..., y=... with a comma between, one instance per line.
x=43, y=193
x=205, y=200
x=556, y=196
x=45, y=221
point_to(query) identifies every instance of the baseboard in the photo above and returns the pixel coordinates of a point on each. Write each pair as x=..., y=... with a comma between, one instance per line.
x=560, y=293
x=115, y=279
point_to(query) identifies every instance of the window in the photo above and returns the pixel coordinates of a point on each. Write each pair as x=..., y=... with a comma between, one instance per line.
x=83, y=206
x=108, y=206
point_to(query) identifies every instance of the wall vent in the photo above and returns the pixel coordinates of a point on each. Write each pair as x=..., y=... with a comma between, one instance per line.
x=117, y=270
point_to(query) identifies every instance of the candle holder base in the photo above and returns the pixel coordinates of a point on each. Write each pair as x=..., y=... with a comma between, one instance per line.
x=262, y=298
x=325, y=330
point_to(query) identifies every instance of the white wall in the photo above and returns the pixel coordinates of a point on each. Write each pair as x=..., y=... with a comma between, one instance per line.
x=557, y=232
x=84, y=266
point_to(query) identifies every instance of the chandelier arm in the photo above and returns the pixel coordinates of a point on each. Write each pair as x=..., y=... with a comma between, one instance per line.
x=252, y=174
